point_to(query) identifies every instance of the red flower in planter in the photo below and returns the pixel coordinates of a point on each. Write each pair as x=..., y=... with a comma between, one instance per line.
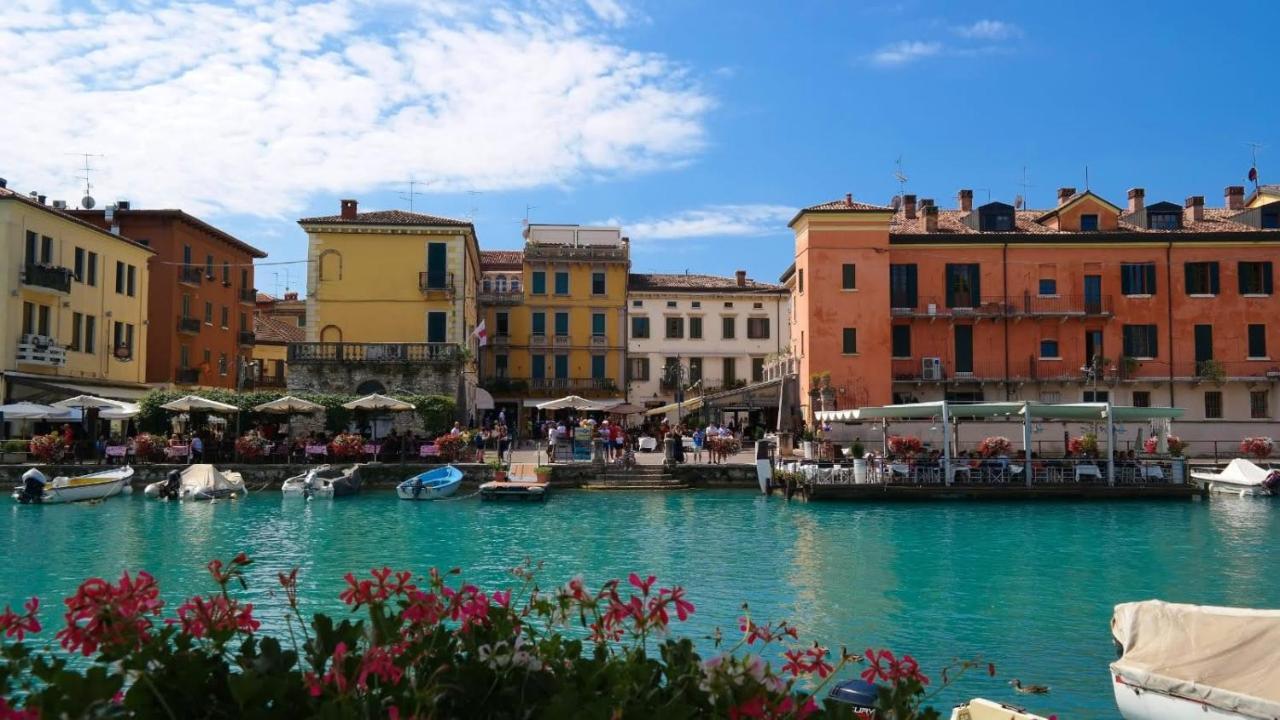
x=114, y=617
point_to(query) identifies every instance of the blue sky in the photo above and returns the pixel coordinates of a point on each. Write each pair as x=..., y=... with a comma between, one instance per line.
x=699, y=127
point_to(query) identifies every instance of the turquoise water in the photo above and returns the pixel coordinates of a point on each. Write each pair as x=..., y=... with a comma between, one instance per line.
x=1028, y=586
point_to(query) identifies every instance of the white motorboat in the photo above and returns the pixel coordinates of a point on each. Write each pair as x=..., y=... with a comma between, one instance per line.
x=198, y=482
x=1195, y=662
x=979, y=709
x=1240, y=477
x=36, y=488
x=323, y=481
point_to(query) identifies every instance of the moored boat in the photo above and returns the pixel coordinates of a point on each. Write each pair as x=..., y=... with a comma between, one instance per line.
x=1240, y=477
x=323, y=481
x=198, y=482
x=980, y=709
x=1185, y=662
x=36, y=488
x=431, y=485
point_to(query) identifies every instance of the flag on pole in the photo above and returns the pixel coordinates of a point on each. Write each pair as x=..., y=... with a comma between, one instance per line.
x=480, y=334
x=1253, y=175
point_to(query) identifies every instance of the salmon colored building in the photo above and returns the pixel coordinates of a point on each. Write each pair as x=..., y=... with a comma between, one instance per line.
x=201, y=298
x=1141, y=303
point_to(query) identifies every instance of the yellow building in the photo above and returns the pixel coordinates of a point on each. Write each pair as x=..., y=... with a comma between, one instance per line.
x=391, y=304
x=75, y=305
x=277, y=322
x=555, y=316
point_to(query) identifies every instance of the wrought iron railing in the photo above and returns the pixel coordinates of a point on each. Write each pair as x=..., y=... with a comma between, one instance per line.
x=189, y=325
x=190, y=275
x=50, y=277
x=344, y=352
x=187, y=376
x=431, y=282
x=248, y=295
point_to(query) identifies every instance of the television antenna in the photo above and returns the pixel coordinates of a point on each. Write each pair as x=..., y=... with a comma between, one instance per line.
x=1254, y=147
x=1021, y=202
x=413, y=193
x=900, y=176
x=987, y=191
x=475, y=209
x=87, y=202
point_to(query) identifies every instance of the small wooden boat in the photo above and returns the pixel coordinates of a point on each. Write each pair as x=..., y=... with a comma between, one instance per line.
x=323, y=481
x=979, y=709
x=198, y=482
x=1195, y=662
x=1240, y=477
x=521, y=483
x=37, y=489
x=431, y=485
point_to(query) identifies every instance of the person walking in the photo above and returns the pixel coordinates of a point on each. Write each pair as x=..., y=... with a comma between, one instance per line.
x=699, y=438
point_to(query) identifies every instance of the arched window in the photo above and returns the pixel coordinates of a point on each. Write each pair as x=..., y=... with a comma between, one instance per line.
x=369, y=387
x=331, y=333
x=515, y=284
x=501, y=283
x=485, y=286
x=330, y=265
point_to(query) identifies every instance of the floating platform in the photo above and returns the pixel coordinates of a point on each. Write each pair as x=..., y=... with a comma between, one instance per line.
x=1066, y=491
x=514, y=490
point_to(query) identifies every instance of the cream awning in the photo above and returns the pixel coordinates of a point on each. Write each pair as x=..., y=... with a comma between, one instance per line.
x=188, y=403
x=1040, y=411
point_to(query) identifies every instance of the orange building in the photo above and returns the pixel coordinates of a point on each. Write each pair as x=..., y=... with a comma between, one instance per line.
x=1143, y=304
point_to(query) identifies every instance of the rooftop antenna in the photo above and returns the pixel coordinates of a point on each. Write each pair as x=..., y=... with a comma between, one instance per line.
x=87, y=202
x=412, y=192
x=1086, y=177
x=275, y=283
x=1254, y=147
x=286, y=278
x=1025, y=184
x=475, y=209
x=987, y=191
x=527, y=209
x=900, y=176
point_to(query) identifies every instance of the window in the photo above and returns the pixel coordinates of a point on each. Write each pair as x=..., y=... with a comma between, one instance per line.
x=28, y=318
x=1202, y=278
x=90, y=334
x=597, y=324
x=1089, y=222
x=122, y=340
x=597, y=283
x=1096, y=396
x=848, y=276
x=208, y=313
x=42, y=325
x=902, y=286
x=756, y=306
x=46, y=249
x=758, y=328
x=501, y=324
x=208, y=270
x=538, y=283
x=729, y=375
x=638, y=368
x=562, y=324
x=757, y=369
x=226, y=316
x=222, y=357
x=695, y=328
x=79, y=264
x=800, y=279
x=130, y=278
x=1138, y=278
x=728, y=327
x=244, y=322
x=1141, y=398
x=562, y=366
x=1140, y=341
x=1213, y=404
x=244, y=278
x=208, y=357
x=1255, y=278
x=1048, y=286
x=562, y=283
x=597, y=367
x=640, y=327
x=1258, y=341
x=695, y=370
x=675, y=327
x=538, y=366
x=637, y=303
x=671, y=303
x=186, y=306
x=728, y=304
x=1259, y=404
x=31, y=258
x=500, y=366
x=77, y=327
x=226, y=273
x=1164, y=220
x=696, y=304
x=92, y=269
x=1049, y=350
x=184, y=356
x=539, y=323
x=119, y=278
x=849, y=344
x=902, y=341
x=964, y=288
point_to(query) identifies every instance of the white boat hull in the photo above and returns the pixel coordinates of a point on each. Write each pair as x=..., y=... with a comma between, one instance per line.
x=1229, y=488
x=1141, y=704
x=95, y=486
x=427, y=493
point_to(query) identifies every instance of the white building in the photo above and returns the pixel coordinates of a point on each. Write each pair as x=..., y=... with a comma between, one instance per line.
x=718, y=330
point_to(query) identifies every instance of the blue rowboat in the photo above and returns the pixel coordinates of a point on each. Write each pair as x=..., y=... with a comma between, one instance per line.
x=431, y=485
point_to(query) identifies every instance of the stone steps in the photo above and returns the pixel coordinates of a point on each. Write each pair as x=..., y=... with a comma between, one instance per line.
x=636, y=481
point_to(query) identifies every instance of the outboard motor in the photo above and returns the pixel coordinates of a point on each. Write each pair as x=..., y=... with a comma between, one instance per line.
x=172, y=485
x=32, y=490
x=860, y=695
x=1272, y=481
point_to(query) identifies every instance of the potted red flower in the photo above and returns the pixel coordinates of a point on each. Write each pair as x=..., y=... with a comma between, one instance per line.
x=251, y=446
x=1173, y=443
x=48, y=448
x=905, y=445
x=347, y=445
x=1258, y=448
x=995, y=446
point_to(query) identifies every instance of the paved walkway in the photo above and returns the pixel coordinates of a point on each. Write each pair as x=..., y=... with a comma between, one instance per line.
x=649, y=458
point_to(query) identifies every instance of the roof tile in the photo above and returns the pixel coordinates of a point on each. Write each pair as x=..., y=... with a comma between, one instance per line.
x=649, y=282
x=385, y=217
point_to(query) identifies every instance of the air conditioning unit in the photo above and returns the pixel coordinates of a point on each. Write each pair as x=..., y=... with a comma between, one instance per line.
x=931, y=368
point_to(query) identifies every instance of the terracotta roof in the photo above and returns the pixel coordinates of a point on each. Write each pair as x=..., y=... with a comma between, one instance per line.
x=650, y=282
x=501, y=259
x=847, y=205
x=277, y=330
x=182, y=215
x=384, y=217
x=10, y=194
x=264, y=298
x=952, y=222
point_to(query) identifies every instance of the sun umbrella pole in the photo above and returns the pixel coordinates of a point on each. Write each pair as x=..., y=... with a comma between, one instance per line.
x=946, y=443
x=1026, y=443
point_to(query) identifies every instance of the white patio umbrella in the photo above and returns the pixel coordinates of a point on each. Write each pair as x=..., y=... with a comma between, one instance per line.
x=87, y=402
x=573, y=402
x=121, y=411
x=188, y=403
x=289, y=406
x=379, y=402
x=33, y=411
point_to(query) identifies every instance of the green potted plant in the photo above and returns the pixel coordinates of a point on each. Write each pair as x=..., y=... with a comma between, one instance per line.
x=543, y=473
x=499, y=470
x=15, y=451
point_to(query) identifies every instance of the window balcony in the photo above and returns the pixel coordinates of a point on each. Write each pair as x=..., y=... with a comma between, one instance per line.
x=47, y=277
x=435, y=283
x=190, y=275
x=187, y=376
x=936, y=307
x=1061, y=306
x=247, y=338
x=586, y=387
x=561, y=341
x=41, y=350
x=361, y=353
x=504, y=297
x=599, y=340
x=123, y=353
x=189, y=325
x=265, y=381
x=500, y=341
x=248, y=296
x=538, y=339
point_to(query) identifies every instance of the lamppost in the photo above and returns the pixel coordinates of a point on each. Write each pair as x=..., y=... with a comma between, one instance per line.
x=246, y=367
x=674, y=375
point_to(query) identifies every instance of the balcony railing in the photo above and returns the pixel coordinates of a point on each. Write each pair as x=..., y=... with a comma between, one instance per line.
x=780, y=367
x=964, y=306
x=539, y=251
x=500, y=340
x=537, y=339
x=41, y=350
x=269, y=381
x=997, y=306
x=248, y=295
x=506, y=297
x=190, y=275
x=435, y=282
x=576, y=386
x=48, y=277
x=1061, y=305
x=599, y=340
x=187, y=376
x=339, y=352
x=916, y=369
x=189, y=325
x=561, y=341
x=247, y=338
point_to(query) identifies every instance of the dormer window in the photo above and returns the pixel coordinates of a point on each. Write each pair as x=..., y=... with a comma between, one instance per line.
x=1089, y=222
x=992, y=217
x=1164, y=221
x=1271, y=219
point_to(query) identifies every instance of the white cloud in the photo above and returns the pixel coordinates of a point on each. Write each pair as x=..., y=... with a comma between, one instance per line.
x=249, y=108
x=710, y=221
x=989, y=30
x=901, y=53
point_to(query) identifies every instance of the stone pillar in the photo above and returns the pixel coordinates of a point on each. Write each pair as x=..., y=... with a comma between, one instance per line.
x=669, y=452
x=597, y=451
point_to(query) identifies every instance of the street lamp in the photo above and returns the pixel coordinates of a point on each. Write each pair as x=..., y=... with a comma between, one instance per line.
x=674, y=375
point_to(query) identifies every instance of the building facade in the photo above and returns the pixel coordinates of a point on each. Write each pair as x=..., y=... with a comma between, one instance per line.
x=555, y=316
x=75, y=315
x=201, y=296
x=720, y=332
x=391, y=305
x=277, y=322
x=1142, y=304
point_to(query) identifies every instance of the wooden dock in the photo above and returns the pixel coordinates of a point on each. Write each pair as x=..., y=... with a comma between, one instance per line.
x=1067, y=491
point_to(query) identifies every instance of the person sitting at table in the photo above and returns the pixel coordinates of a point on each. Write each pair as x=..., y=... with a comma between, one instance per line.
x=197, y=449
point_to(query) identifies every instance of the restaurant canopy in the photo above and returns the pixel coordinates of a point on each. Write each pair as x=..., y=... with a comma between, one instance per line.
x=288, y=405
x=33, y=411
x=378, y=402
x=574, y=402
x=190, y=403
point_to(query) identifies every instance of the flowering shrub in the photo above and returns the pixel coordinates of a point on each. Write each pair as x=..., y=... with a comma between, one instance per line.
x=994, y=446
x=251, y=446
x=1256, y=447
x=347, y=445
x=723, y=445
x=905, y=445
x=427, y=647
x=146, y=445
x=1174, y=443
x=1083, y=446
x=48, y=448
x=453, y=448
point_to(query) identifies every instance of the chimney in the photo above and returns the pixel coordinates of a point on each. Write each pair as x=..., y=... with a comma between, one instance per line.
x=930, y=213
x=122, y=205
x=741, y=275
x=909, y=207
x=1064, y=194
x=848, y=199
x=1137, y=200
x=966, y=200
x=291, y=296
x=348, y=209
x=1194, y=209
x=1234, y=196
x=43, y=199
x=4, y=183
